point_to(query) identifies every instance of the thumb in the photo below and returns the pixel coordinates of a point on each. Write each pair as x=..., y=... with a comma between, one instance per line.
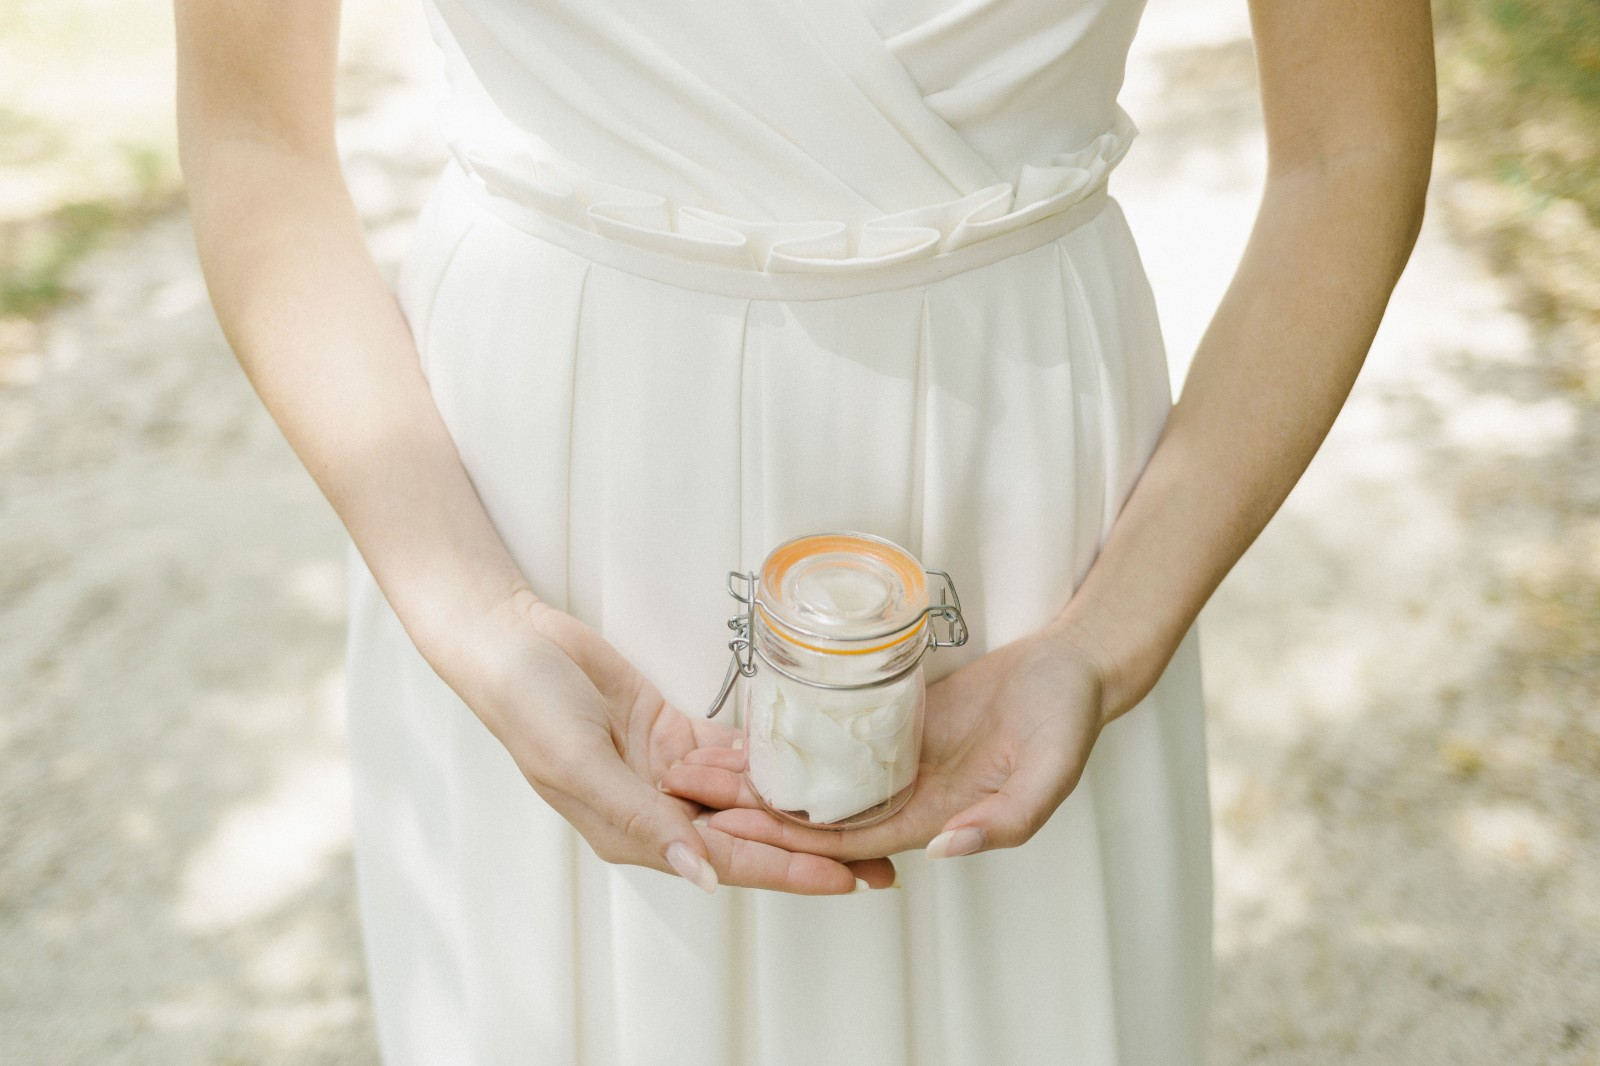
x=1009, y=817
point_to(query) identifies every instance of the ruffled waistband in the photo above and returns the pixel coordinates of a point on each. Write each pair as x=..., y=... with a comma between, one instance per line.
x=726, y=253
x=654, y=222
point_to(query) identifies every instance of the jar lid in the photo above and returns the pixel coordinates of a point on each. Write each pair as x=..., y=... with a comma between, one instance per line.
x=843, y=586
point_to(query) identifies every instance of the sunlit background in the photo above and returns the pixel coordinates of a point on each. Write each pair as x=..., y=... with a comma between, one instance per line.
x=1403, y=675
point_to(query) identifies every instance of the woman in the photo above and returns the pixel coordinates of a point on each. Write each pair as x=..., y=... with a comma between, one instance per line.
x=700, y=278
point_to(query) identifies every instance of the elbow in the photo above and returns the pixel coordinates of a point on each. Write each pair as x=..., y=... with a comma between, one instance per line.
x=1395, y=182
x=1388, y=167
x=1421, y=176
x=1408, y=178
x=1409, y=150
x=220, y=147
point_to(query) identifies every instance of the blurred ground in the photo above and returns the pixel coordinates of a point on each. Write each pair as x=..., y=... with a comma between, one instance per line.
x=1402, y=673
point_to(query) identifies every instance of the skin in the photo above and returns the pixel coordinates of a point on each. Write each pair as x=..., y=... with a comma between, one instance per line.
x=1348, y=90
x=1348, y=93
x=325, y=344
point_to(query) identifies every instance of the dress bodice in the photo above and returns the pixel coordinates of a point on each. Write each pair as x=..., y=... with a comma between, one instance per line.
x=789, y=136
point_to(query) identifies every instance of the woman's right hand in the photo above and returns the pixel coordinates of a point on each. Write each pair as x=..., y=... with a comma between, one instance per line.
x=593, y=737
x=327, y=346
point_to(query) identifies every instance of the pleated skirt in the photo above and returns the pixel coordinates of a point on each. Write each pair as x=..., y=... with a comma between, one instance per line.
x=634, y=435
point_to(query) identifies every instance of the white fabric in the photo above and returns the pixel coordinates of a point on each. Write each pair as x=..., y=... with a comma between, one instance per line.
x=636, y=433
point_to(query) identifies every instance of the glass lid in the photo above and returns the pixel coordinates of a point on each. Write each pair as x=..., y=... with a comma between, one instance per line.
x=843, y=586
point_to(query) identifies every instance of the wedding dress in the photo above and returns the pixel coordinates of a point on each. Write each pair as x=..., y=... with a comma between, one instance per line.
x=696, y=279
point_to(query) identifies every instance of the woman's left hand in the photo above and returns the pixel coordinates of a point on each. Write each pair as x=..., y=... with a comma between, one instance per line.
x=1004, y=743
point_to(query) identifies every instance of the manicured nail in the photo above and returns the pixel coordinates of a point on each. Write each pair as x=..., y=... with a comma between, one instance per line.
x=963, y=841
x=691, y=866
x=861, y=886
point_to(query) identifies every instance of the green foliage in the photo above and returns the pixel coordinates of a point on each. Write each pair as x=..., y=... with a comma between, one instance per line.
x=36, y=254
x=1522, y=77
x=86, y=139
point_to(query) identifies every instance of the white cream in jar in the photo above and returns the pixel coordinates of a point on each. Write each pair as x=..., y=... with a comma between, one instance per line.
x=831, y=753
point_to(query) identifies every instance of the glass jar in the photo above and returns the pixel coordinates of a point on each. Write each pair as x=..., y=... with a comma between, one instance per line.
x=833, y=718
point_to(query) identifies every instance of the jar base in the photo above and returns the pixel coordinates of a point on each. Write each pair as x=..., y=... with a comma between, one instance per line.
x=872, y=815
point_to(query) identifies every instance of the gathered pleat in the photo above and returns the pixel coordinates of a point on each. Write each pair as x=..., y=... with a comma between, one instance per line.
x=633, y=441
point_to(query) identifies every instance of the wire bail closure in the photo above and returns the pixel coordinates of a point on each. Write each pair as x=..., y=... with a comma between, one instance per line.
x=745, y=651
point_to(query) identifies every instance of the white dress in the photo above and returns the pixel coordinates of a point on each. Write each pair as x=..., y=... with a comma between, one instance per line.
x=701, y=277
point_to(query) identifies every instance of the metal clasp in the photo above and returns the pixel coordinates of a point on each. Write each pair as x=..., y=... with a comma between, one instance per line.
x=744, y=658
x=949, y=610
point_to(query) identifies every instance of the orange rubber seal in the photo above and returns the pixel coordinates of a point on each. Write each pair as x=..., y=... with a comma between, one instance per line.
x=904, y=566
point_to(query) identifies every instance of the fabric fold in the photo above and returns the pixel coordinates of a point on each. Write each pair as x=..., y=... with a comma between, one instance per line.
x=650, y=220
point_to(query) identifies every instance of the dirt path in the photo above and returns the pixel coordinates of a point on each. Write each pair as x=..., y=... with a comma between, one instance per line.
x=1402, y=673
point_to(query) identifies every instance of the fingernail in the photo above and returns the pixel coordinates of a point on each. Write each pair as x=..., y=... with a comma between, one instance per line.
x=662, y=785
x=963, y=841
x=861, y=886
x=701, y=819
x=896, y=882
x=738, y=742
x=691, y=867
x=675, y=762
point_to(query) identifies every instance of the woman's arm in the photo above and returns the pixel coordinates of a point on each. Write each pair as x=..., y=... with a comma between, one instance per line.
x=311, y=320
x=325, y=344
x=1348, y=92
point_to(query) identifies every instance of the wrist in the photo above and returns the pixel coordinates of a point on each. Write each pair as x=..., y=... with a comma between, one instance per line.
x=475, y=647
x=1127, y=659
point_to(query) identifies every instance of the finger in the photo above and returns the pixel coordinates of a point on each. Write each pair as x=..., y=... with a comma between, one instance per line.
x=757, y=824
x=725, y=758
x=907, y=829
x=691, y=808
x=719, y=790
x=1010, y=816
x=710, y=785
x=708, y=734
x=877, y=873
x=651, y=820
x=750, y=864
